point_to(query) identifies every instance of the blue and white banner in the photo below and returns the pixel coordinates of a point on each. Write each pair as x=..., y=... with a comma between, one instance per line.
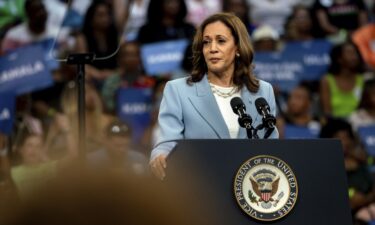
x=7, y=107
x=367, y=137
x=134, y=107
x=163, y=57
x=299, y=132
x=50, y=47
x=24, y=70
x=298, y=61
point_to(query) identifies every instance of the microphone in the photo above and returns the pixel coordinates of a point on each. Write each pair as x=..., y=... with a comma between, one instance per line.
x=263, y=109
x=239, y=108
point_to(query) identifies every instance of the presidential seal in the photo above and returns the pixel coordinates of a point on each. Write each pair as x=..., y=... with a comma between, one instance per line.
x=266, y=188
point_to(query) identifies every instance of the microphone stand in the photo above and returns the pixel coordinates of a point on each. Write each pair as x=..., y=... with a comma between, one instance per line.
x=245, y=121
x=267, y=119
x=81, y=60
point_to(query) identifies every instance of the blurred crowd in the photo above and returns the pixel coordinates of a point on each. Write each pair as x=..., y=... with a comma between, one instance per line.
x=44, y=138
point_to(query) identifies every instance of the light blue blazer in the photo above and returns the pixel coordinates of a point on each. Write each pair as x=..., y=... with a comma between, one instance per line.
x=191, y=112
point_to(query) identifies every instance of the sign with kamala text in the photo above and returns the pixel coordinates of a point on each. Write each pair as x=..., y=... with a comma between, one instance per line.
x=163, y=57
x=134, y=107
x=24, y=70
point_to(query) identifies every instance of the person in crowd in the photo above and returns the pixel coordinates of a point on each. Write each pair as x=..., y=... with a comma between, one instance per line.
x=364, y=38
x=265, y=39
x=299, y=111
x=35, y=168
x=271, y=12
x=35, y=28
x=130, y=74
x=361, y=188
x=241, y=9
x=165, y=21
x=365, y=114
x=117, y=155
x=131, y=15
x=96, y=120
x=299, y=25
x=199, y=106
x=198, y=10
x=337, y=15
x=99, y=36
x=341, y=88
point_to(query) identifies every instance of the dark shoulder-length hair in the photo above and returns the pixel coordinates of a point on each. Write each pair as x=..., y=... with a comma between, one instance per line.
x=155, y=12
x=243, y=74
x=88, y=28
x=335, y=55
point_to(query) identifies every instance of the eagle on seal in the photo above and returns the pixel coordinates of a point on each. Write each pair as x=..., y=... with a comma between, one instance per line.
x=265, y=184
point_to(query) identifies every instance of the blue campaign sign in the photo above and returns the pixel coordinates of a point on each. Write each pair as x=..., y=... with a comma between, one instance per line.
x=314, y=55
x=298, y=61
x=134, y=107
x=283, y=72
x=367, y=136
x=7, y=107
x=49, y=46
x=163, y=57
x=24, y=70
x=299, y=132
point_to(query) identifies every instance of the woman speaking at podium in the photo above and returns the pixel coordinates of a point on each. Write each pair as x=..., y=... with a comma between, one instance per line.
x=198, y=107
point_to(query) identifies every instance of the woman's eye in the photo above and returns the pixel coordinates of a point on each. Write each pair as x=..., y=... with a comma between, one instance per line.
x=221, y=41
x=205, y=42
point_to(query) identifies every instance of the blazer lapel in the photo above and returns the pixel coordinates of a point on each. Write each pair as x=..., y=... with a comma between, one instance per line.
x=206, y=105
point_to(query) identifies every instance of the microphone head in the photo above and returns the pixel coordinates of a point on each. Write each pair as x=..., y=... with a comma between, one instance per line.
x=236, y=103
x=261, y=103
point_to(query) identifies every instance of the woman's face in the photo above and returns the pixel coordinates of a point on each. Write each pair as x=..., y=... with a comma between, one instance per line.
x=346, y=141
x=349, y=57
x=31, y=150
x=219, y=48
x=101, y=18
x=238, y=7
x=302, y=20
x=130, y=57
x=171, y=7
x=298, y=101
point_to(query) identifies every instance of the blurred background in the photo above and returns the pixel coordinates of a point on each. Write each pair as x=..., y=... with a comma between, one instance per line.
x=319, y=55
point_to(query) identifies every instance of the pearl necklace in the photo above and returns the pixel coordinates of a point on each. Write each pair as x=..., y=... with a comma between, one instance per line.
x=220, y=93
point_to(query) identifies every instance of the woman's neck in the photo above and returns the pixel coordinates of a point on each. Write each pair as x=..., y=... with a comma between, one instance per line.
x=301, y=119
x=346, y=72
x=168, y=21
x=224, y=80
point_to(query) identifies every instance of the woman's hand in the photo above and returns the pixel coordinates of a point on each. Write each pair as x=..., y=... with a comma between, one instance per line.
x=158, y=166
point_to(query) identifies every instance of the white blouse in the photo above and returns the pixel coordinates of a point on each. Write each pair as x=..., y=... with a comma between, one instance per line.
x=230, y=118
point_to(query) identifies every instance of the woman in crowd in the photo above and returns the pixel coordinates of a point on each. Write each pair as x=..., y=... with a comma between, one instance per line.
x=165, y=21
x=299, y=25
x=100, y=36
x=342, y=87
